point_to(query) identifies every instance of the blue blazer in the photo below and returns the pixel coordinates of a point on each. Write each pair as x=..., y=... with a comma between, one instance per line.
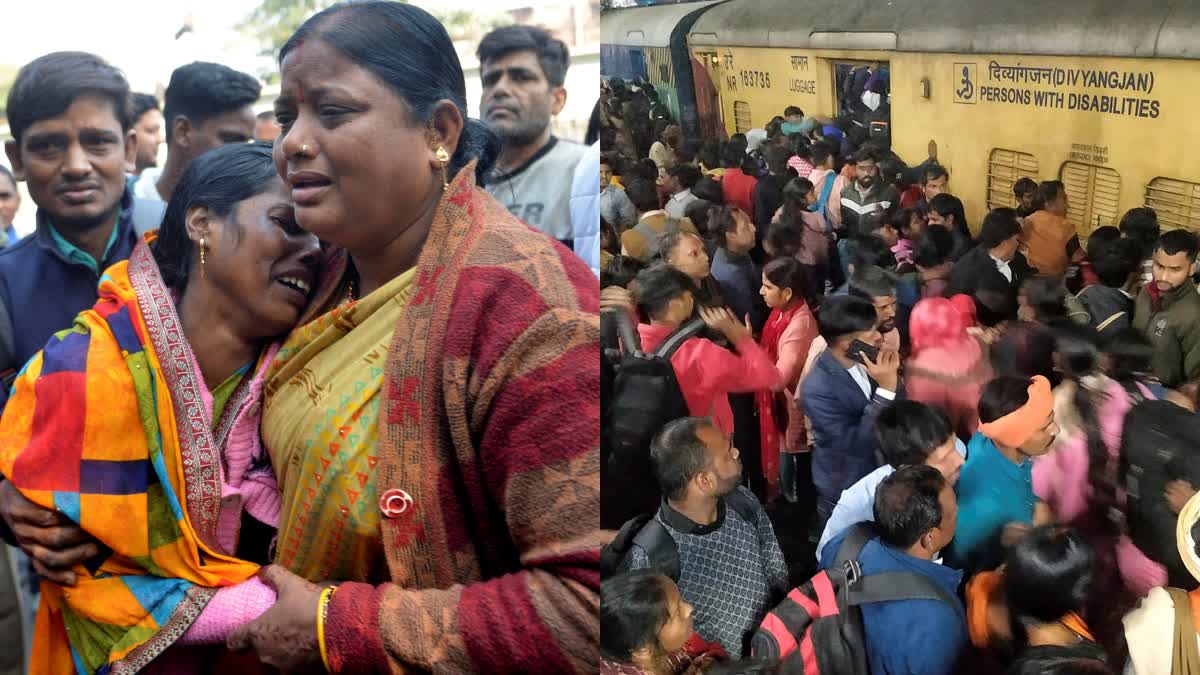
x=843, y=425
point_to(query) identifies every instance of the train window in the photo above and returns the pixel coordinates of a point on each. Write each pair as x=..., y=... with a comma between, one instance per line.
x=1005, y=168
x=741, y=117
x=1177, y=203
x=1092, y=193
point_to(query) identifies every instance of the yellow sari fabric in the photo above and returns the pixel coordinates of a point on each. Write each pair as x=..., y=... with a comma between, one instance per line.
x=320, y=427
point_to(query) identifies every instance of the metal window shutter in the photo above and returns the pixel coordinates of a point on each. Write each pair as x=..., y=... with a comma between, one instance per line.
x=741, y=116
x=1176, y=202
x=1093, y=193
x=1005, y=168
x=658, y=67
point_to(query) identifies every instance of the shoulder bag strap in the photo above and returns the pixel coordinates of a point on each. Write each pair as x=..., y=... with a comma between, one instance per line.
x=675, y=340
x=660, y=548
x=888, y=586
x=856, y=539
x=738, y=501
x=1185, y=659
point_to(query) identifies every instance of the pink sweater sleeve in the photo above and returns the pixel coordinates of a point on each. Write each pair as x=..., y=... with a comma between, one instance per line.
x=834, y=205
x=1060, y=478
x=793, y=349
x=229, y=608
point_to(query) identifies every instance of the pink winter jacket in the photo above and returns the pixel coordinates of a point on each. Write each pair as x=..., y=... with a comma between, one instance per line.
x=1060, y=477
x=950, y=379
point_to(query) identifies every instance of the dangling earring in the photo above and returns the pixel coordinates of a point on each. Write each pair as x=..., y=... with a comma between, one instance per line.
x=203, y=274
x=444, y=157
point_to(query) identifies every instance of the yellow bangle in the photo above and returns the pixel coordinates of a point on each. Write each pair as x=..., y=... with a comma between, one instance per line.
x=322, y=612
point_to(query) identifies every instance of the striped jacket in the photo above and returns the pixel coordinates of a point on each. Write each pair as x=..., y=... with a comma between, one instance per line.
x=870, y=205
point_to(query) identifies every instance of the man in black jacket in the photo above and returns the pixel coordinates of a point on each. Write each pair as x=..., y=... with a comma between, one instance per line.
x=869, y=196
x=993, y=271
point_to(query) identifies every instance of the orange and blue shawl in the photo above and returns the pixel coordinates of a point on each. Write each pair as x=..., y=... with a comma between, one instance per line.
x=106, y=425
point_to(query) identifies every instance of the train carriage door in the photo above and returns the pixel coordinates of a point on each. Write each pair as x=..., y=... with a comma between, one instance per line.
x=662, y=77
x=862, y=90
x=707, y=75
x=1092, y=196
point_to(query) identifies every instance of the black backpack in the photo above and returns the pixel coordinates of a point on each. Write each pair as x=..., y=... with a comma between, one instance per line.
x=652, y=536
x=1160, y=443
x=644, y=397
x=825, y=613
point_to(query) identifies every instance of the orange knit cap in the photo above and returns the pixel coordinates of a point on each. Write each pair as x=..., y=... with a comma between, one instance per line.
x=1016, y=428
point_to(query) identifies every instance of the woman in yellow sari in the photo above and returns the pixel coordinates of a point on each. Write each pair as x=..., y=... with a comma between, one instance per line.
x=434, y=421
x=140, y=423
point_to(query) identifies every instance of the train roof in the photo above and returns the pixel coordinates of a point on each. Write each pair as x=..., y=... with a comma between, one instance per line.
x=1127, y=28
x=646, y=26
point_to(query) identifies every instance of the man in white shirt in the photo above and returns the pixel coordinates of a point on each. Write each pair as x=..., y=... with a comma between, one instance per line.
x=681, y=178
x=909, y=433
x=585, y=209
x=523, y=69
x=993, y=271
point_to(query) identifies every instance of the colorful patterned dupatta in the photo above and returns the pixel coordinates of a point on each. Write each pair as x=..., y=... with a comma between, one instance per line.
x=107, y=426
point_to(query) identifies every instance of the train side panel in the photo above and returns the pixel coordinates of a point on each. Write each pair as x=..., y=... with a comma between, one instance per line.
x=1110, y=128
x=1113, y=129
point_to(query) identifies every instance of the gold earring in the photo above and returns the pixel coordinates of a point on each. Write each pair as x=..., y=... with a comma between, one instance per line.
x=444, y=157
x=202, y=272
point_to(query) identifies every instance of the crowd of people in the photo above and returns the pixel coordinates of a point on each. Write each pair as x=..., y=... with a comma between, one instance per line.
x=267, y=407
x=856, y=383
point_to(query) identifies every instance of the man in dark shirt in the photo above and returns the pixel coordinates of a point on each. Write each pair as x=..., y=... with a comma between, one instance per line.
x=73, y=135
x=731, y=569
x=768, y=193
x=993, y=271
x=869, y=195
x=739, y=276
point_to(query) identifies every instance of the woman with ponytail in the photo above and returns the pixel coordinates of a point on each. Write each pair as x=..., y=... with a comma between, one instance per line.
x=1078, y=478
x=796, y=215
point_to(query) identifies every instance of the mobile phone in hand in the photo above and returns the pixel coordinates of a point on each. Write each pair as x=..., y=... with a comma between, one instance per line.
x=858, y=348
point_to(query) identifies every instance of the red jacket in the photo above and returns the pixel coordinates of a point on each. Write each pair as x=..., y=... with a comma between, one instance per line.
x=707, y=374
x=738, y=189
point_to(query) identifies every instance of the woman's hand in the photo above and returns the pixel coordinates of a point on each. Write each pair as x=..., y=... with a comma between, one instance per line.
x=723, y=321
x=52, y=540
x=285, y=637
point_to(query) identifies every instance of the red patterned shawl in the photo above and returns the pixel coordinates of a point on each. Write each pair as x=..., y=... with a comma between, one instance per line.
x=490, y=422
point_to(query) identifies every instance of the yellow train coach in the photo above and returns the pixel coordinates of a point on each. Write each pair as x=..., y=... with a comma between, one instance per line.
x=1101, y=95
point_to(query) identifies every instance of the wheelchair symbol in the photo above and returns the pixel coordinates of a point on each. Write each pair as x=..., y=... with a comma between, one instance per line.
x=965, y=92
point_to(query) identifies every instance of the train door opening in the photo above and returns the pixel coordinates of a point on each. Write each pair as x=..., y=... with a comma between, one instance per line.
x=862, y=91
x=706, y=74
